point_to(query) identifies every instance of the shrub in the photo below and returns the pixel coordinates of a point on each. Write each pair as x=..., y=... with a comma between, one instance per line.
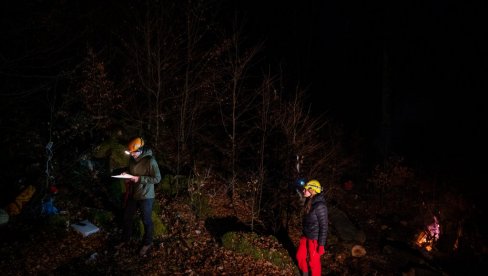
x=200, y=206
x=56, y=225
x=101, y=218
x=173, y=185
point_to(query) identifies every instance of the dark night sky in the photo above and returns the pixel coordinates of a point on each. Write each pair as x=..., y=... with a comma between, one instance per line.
x=436, y=52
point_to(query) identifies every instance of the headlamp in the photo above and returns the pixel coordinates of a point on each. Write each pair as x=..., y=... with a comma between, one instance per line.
x=301, y=182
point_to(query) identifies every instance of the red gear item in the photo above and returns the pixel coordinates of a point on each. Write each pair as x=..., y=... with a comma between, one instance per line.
x=309, y=246
x=321, y=250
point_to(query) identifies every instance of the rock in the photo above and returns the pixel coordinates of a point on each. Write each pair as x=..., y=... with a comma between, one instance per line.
x=346, y=230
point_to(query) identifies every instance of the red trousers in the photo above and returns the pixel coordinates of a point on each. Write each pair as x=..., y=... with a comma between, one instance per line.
x=310, y=247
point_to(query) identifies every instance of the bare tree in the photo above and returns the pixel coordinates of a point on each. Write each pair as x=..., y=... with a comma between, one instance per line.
x=175, y=65
x=153, y=51
x=266, y=92
x=239, y=100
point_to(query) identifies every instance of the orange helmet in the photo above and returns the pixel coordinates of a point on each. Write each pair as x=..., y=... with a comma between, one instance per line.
x=135, y=144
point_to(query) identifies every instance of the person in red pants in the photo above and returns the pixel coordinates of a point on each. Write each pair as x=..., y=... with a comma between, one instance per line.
x=314, y=230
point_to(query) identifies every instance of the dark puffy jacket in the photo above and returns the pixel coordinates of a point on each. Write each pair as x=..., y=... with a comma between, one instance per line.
x=147, y=168
x=315, y=223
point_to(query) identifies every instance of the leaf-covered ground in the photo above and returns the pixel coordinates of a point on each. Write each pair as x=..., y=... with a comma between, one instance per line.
x=192, y=246
x=42, y=247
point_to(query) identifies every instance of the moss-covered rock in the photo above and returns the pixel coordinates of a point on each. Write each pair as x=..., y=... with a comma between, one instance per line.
x=260, y=248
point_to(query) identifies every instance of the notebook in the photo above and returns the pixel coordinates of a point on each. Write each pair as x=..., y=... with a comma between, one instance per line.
x=85, y=228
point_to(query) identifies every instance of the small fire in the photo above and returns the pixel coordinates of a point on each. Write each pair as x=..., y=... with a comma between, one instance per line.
x=426, y=238
x=434, y=229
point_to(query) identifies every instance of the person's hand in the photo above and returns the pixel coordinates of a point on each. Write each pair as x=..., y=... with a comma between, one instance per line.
x=133, y=178
x=321, y=250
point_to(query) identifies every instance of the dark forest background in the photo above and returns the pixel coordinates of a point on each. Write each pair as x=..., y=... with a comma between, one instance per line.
x=382, y=102
x=240, y=89
x=189, y=77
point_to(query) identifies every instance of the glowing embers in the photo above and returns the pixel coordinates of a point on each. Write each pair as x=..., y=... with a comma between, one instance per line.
x=427, y=238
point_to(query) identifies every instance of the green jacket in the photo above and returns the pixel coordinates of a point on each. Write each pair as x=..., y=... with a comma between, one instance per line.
x=147, y=168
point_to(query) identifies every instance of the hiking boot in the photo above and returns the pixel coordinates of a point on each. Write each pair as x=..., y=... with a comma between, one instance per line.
x=144, y=250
